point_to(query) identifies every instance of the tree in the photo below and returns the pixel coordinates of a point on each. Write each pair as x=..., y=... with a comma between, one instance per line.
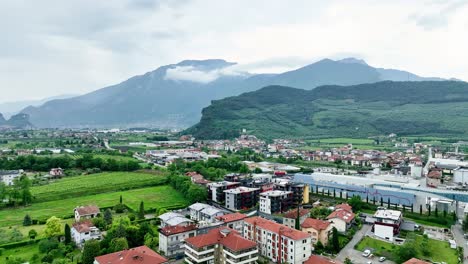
x=298, y=219
x=405, y=252
x=32, y=234
x=108, y=216
x=27, y=221
x=90, y=251
x=141, y=212
x=196, y=193
x=53, y=227
x=348, y=261
x=356, y=203
x=67, y=234
x=420, y=209
x=120, y=201
x=465, y=223
x=118, y=244
x=335, y=240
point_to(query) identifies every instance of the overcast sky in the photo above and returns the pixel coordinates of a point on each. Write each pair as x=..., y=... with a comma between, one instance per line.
x=58, y=47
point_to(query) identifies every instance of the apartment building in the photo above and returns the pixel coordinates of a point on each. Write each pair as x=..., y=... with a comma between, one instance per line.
x=274, y=202
x=278, y=242
x=171, y=238
x=216, y=190
x=220, y=246
x=241, y=198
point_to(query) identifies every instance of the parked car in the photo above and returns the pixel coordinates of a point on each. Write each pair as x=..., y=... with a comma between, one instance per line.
x=366, y=253
x=382, y=259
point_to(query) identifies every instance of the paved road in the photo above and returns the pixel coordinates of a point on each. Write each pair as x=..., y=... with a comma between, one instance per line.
x=461, y=241
x=356, y=256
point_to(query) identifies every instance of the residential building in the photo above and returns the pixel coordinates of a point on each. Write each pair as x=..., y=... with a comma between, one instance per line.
x=387, y=223
x=300, y=191
x=204, y=212
x=320, y=230
x=84, y=231
x=220, y=246
x=342, y=217
x=274, y=202
x=56, y=172
x=171, y=238
x=138, y=255
x=241, y=198
x=173, y=219
x=289, y=218
x=8, y=176
x=216, y=190
x=233, y=221
x=86, y=212
x=278, y=242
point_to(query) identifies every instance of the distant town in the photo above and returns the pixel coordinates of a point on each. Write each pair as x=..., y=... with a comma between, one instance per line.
x=149, y=196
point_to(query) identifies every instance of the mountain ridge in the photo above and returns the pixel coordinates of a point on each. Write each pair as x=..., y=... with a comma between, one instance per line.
x=174, y=95
x=340, y=111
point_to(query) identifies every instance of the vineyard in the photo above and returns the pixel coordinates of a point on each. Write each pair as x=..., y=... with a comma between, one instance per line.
x=153, y=197
x=70, y=187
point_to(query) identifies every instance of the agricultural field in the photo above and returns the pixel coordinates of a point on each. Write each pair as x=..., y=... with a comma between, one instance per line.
x=69, y=187
x=153, y=197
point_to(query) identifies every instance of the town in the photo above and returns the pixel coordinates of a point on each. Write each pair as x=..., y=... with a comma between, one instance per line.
x=84, y=196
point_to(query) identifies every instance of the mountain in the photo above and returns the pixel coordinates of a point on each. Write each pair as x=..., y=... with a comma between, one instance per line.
x=173, y=95
x=340, y=111
x=18, y=121
x=11, y=108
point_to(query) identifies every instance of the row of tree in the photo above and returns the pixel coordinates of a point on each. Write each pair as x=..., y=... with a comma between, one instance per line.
x=86, y=161
x=194, y=193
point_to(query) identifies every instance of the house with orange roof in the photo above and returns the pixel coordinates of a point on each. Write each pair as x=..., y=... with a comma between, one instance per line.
x=234, y=221
x=289, y=218
x=342, y=217
x=320, y=230
x=315, y=259
x=278, y=242
x=138, y=255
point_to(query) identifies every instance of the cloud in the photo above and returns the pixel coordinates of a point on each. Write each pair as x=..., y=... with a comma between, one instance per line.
x=194, y=74
x=439, y=15
x=54, y=47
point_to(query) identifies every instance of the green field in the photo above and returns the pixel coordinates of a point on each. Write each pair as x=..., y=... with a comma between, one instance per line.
x=94, y=184
x=441, y=249
x=359, y=141
x=153, y=197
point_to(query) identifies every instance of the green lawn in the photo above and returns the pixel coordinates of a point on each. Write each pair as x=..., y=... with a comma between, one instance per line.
x=94, y=184
x=153, y=197
x=441, y=251
x=25, y=252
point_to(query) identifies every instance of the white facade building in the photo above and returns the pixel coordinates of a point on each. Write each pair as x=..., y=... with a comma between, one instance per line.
x=84, y=231
x=8, y=177
x=277, y=242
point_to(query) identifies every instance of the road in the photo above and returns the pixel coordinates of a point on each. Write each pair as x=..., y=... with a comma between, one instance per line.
x=356, y=256
x=461, y=241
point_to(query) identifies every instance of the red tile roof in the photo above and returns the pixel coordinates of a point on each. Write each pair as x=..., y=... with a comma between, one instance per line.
x=416, y=261
x=344, y=206
x=342, y=214
x=227, y=218
x=293, y=213
x=87, y=210
x=83, y=226
x=434, y=174
x=224, y=236
x=277, y=228
x=172, y=230
x=314, y=259
x=138, y=255
x=315, y=224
